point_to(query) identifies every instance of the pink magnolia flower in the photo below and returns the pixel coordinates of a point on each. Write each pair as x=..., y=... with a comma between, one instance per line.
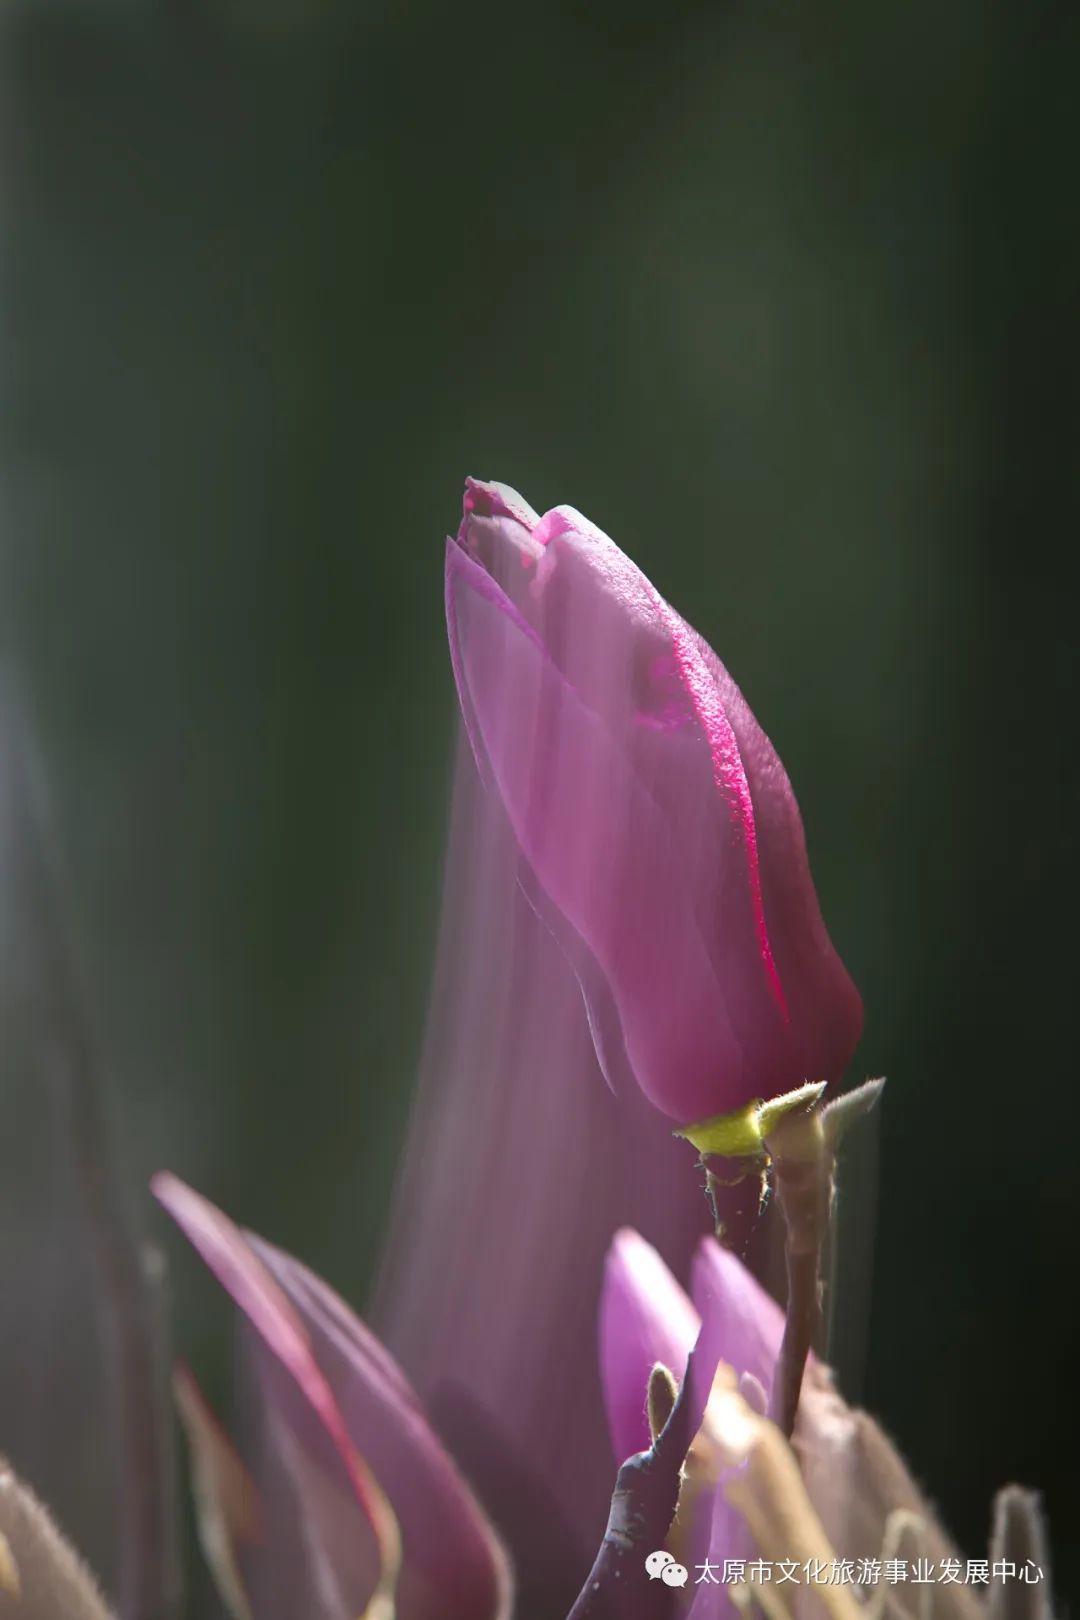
x=350, y=1505
x=646, y=1317
x=859, y=1487
x=663, y=839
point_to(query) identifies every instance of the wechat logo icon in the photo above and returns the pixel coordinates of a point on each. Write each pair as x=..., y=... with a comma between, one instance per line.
x=661, y=1566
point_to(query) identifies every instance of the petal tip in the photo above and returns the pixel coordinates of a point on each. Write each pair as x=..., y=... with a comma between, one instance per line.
x=484, y=498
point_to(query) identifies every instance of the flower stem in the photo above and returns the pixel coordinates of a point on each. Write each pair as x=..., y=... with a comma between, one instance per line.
x=803, y=1164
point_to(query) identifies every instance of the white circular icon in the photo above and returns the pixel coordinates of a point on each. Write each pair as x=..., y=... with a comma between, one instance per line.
x=655, y=1563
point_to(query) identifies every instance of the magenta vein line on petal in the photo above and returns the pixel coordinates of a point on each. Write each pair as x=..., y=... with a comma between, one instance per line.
x=729, y=773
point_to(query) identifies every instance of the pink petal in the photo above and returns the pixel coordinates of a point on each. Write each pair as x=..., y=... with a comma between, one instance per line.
x=583, y=819
x=645, y=1317
x=452, y=1562
x=723, y=841
x=748, y=1323
x=350, y=1537
x=227, y=1507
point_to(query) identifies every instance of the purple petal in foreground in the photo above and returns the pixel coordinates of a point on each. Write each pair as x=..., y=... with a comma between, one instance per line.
x=452, y=1562
x=747, y=1322
x=645, y=1317
x=339, y=1504
x=335, y=1414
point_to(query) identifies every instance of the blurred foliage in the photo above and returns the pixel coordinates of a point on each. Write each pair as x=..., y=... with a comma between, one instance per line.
x=784, y=298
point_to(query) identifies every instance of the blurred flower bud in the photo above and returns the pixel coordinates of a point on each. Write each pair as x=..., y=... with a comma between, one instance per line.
x=352, y=1506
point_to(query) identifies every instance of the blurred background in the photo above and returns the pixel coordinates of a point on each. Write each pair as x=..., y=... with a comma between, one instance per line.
x=786, y=302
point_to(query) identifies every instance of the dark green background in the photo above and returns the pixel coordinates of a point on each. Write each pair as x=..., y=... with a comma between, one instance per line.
x=785, y=299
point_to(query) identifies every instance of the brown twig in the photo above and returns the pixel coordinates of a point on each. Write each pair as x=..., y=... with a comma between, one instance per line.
x=643, y=1505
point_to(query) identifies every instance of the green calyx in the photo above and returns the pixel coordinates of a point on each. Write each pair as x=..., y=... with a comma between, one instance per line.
x=742, y=1135
x=746, y=1133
